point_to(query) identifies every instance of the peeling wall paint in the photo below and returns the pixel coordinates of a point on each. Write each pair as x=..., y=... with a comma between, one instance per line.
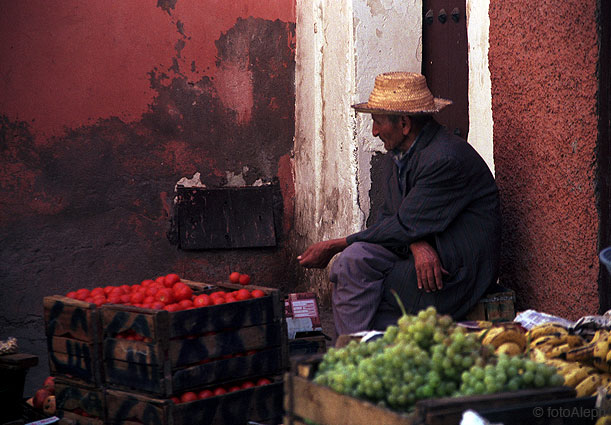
x=104, y=106
x=543, y=64
x=480, y=91
x=341, y=47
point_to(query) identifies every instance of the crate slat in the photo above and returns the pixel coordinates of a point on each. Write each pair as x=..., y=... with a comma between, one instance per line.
x=256, y=404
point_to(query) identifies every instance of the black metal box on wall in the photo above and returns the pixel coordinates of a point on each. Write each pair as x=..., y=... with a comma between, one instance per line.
x=228, y=217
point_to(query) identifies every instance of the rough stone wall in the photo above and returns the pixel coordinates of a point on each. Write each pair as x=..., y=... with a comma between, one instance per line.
x=543, y=65
x=103, y=108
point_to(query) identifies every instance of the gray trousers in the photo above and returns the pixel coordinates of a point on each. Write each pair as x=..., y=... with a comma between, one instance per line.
x=359, y=295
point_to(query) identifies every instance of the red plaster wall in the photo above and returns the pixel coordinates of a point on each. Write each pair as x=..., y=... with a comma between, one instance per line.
x=543, y=58
x=104, y=106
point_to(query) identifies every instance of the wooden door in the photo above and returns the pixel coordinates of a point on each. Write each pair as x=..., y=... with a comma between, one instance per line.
x=445, y=60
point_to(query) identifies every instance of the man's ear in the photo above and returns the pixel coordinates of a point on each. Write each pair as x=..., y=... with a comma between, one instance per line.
x=406, y=124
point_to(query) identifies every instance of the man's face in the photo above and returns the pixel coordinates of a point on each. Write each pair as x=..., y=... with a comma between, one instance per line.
x=392, y=133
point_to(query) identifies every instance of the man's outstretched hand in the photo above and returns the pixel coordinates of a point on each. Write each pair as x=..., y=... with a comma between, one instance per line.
x=428, y=266
x=317, y=256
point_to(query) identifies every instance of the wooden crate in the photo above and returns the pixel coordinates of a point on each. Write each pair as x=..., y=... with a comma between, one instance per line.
x=494, y=307
x=82, y=404
x=74, y=339
x=260, y=403
x=306, y=401
x=190, y=348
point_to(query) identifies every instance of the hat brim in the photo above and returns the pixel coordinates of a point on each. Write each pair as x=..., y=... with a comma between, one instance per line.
x=367, y=109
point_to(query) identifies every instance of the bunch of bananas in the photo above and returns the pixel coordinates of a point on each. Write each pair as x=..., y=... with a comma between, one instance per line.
x=505, y=339
x=584, y=365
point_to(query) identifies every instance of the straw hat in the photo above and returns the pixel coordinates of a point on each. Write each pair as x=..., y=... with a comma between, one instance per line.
x=401, y=93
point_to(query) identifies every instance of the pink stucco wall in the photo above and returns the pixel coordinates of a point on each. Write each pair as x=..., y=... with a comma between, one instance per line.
x=104, y=106
x=543, y=62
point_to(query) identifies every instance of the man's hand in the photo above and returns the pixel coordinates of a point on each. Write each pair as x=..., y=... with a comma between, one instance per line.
x=318, y=255
x=428, y=267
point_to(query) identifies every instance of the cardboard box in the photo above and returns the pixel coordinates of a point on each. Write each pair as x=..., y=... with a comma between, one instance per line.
x=302, y=317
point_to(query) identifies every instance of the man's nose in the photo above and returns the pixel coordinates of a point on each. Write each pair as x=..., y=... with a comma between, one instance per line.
x=374, y=131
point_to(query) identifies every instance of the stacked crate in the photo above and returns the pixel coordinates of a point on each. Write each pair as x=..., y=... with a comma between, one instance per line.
x=104, y=378
x=74, y=345
x=192, y=350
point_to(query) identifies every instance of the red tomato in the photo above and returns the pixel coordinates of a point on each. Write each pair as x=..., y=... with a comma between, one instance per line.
x=108, y=289
x=82, y=293
x=152, y=290
x=219, y=391
x=188, y=396
x=234, y=388
x=243, y=294
x=165, y=296
x=135, y=288
x=182, y=291
x=172, y=278
x=117, y=290
x=172, y=307
x=204, y=394
x=126, y=299
x=218, y=300
x=114, y=299
x=247, y=384
x=185, y=304
x=71, y=294
x=230, y=299
x=99, y=300
x=126, y=289
x=136, y=298
x=217, y=294
x=175, y=400
x=234, y=277
x=263, y=381
x=148, y=300
x=96, y=292
x=257, y=293
x=147, y=282
x=157, y=305
x=202, y=300
x=244, y=279
x=88, y=300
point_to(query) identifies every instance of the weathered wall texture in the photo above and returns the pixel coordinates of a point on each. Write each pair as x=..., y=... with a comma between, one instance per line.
x=543, y=58
x=341, y=47
x=104, y=106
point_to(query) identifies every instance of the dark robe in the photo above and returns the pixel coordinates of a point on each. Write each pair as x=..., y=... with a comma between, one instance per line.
x=451, y=201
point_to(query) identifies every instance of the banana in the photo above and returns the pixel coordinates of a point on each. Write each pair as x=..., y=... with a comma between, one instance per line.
x=588, y=385
x=605, y=379
x=599, y=357
x=487, y=334
x=545, y=329
x=510, y=348
x=574, y=376
x=600, y=334
x=604, y=420
x=580, y=354
x=575, y=341
x=497, y=338
x=558, y=351
x=548, y=341
x=537, y=355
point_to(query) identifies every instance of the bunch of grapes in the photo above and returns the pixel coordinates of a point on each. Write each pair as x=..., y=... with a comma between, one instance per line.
x=510, y=373
x=426, y=355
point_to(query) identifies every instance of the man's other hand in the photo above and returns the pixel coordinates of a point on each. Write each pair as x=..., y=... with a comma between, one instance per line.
x=317, y=256
x=428, y=267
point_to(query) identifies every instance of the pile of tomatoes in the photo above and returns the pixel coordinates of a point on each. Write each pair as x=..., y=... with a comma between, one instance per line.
x=220, y=390
x=164, y=293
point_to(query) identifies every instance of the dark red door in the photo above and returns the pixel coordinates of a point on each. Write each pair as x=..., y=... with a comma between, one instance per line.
x=444, y=59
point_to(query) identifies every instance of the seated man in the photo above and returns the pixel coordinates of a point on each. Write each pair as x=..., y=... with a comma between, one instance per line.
x=436, y=240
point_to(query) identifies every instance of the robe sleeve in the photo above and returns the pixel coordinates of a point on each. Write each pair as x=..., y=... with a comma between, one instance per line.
x=440, y=192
